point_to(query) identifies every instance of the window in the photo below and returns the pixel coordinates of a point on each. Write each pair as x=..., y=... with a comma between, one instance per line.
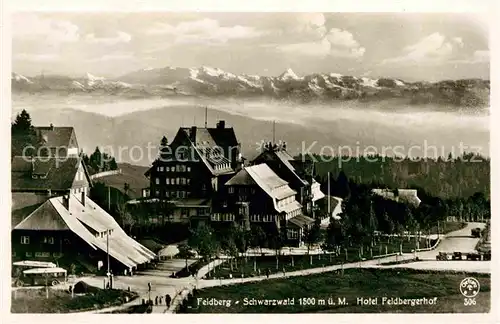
x=25, y=240
x=28, y=254
x=188, y=181
x=57, y=254
x=157, y=192
x=161, y=169
x=48, y=240
x=174, y=194
x=167, y=194
x=42, y=254
x=177, y=180
x=188, y=169
x=167, y=169
x=157, y=181
x=167, y=181
x=183, y=181
x=231, y=190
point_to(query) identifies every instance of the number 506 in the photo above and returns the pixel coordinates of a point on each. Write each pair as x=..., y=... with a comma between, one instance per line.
x=469, y=301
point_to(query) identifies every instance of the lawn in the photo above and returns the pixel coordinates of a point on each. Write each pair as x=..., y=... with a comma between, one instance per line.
x=131, y=174
x=60, y=301
x=245, y=267
x=353, y=284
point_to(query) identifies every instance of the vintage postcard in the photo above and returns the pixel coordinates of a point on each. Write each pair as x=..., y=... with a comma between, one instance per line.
x=250, y=162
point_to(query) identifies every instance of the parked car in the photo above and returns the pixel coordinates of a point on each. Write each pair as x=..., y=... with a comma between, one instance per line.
x=476, y=232
x=457, y=256
x=442, y=256
x=473, y=256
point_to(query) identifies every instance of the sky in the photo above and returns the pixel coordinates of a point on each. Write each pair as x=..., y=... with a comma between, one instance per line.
x=409, y=46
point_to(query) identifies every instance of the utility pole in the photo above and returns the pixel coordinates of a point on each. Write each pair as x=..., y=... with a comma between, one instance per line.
x=206, y=113
x=107, y=255
x=109, y=198
x=274, y=131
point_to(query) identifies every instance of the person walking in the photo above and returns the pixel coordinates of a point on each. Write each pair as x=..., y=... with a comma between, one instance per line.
x=168, y=299
x=156, y=301
x=267, y=273
x=284, y=272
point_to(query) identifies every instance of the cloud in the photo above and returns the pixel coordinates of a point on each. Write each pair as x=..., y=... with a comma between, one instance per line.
x=203, y=31
x=458, y=41
x=36, y=57
x=121, y=37
x=479, y=56
x=114, y=57
x=434, y=48
x=337, y=43
x=51, y=31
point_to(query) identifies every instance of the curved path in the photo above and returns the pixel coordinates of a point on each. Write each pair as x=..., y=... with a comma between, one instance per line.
x=455, y=241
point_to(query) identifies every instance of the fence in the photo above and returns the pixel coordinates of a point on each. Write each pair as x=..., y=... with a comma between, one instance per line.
x=105, y=174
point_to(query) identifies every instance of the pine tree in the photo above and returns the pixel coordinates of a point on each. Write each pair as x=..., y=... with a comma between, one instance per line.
x=22, y=125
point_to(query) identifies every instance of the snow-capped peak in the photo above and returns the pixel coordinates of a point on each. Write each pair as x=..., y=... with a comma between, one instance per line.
x=216, y=72
x=336, y=75
x=289, y=74
x=94, y=78
x=19, y=77
x=399, y=83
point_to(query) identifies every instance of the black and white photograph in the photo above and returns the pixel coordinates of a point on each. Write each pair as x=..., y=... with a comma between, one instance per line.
x=194, y=162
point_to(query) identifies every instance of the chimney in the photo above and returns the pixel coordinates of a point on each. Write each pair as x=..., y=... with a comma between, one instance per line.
x=192, y=134
x=221, y=124
x=66, y=201
x=83, y=198
x=51, y=126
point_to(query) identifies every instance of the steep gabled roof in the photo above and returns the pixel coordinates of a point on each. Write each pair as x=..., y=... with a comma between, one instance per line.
x=242, y=178
x=275, y=187
x=301, y=220
x=52, y=173
x=285, y=159
x=55, y=136
x=44, y=217
x=54, y=215
x=206, y=144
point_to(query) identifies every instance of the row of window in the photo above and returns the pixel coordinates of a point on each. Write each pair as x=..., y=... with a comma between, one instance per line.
x=175, y=168
x=103, y=234
x=293, y=213
x=79, y=190
x=45, y=240
x=222, y=217
x=262, y=218
x=286, y=201
x=173, y=181
x=242, y=190
x=292, y=233
x=41, y=254
x=174, y=194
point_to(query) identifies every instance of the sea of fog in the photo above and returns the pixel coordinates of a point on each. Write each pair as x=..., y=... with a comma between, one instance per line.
x=350, y=119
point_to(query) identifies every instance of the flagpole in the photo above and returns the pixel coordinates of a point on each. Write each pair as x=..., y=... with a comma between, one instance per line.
x=329, y=212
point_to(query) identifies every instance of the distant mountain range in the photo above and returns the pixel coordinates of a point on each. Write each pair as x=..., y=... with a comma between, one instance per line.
x=214, y=82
